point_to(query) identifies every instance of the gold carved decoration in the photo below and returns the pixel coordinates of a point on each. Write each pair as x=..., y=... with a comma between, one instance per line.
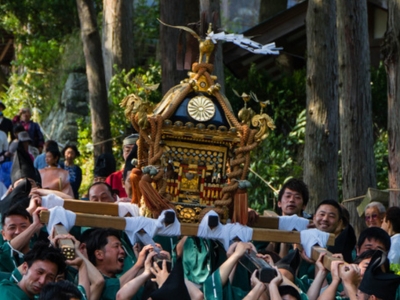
x=201, y=108
x=265, y=123
x=188, y=214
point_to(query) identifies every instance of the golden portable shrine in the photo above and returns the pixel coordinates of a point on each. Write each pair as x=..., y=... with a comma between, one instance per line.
x=193, y=153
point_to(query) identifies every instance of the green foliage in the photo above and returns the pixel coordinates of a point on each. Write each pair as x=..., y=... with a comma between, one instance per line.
x=146, y=31
x=123, y=84
x=279, y=156
x=39, y=28
x=381, y=159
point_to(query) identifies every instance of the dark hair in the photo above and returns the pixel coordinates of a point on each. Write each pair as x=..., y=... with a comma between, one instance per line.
x=288, y=290
x=50, y=143
x=376, y=233
x=368, y=254
x=18, y=128
x=54, y=151
x=333, y=203
x=61, y=290
x=97, y=240
x=110, y=189
x=42, y=250
x=16, y=210
x=296, y=185
x=73, y=147
x=393, y=215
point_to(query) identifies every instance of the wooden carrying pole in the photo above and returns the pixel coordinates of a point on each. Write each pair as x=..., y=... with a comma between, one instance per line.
x=328, y=258
x=259, y=234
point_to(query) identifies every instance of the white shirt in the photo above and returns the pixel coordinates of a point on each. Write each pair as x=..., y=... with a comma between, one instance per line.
x=3, y=141
x=394, y=253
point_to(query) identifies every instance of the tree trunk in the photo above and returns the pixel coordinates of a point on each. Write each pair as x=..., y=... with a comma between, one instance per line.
x=358, y=163
x=391, y=53
x=96, y=82
x=174, y=12
x=117, y=36
x=322, y=136
x=211, y=8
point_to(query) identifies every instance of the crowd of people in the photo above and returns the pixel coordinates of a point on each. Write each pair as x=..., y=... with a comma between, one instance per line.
x=108, y=266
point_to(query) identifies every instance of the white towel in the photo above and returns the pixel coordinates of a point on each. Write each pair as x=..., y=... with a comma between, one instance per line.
x=126, y=207
x=244, y=233
x=60, y=215
x=293, y=222
x=51, y=201
x=173, y=229
x=135, y=224
x=217, y=233
x=312, y=237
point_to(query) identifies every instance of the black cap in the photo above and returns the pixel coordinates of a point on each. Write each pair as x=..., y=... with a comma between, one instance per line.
x=19, y=195
x=290, y=262
x=128, y=163
x=174, y=287
x=105, y=165
x=376, y=282
x=22, y=166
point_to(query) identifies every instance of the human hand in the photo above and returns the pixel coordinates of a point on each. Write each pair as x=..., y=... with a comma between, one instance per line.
x=278, y=278
x=36, y=217
x=34, y=202
x=148, y=262
x=252, y=217
x=160, y=274
x=304, y=257
x=320, y=265
x=143, y=254
x=267, y=258
x=335, y=264
x=242, y=248
x=350, y=274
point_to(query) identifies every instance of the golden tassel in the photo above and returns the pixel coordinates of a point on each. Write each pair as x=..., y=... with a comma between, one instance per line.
x=134, y=178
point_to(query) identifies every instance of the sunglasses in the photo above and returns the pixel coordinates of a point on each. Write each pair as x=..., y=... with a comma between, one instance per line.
x=371, y=217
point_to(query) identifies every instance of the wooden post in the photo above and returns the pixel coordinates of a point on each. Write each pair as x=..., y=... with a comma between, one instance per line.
x=66, y=245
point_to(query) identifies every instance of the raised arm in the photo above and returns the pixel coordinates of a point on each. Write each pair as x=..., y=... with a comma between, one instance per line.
x=131, y=288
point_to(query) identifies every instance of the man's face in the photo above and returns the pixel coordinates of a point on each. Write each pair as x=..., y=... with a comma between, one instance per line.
x=371, y=244
x=37, y=276
x=112, y=256
x=291, y=203
x=13, y=226
x=126, y=150
x=25, y=115
x=327, y=218
x=100, y=193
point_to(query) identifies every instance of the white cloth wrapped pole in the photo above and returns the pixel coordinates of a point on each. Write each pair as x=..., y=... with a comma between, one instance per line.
x=51, y=201
x=135, y=224
x=58, y=215
x=290, y=223
x=125, y=207
x=244, y=233
x=312, y=237
x=173, y=229
x=217, y=233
